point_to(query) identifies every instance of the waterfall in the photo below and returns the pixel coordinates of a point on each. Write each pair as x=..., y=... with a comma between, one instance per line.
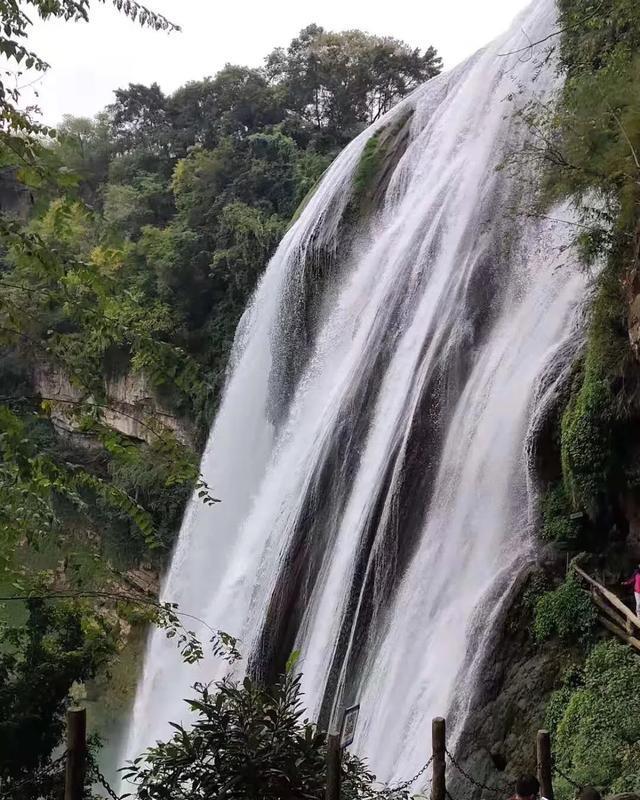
x=371, y=448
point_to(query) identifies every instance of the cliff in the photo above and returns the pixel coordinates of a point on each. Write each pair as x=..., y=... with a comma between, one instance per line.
x=130, y=406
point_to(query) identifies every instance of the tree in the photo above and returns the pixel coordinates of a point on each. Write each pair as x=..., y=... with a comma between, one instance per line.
x=338, y=82
x=57, y=646
x=140, y=121
x=247, y=742
x=239, y=102
x=18, y=125
x=85, y=148
x=158, y=130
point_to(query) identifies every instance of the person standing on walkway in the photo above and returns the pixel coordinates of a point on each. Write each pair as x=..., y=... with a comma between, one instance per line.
x=634, y=581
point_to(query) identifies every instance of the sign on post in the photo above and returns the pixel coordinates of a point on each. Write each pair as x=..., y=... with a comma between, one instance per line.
x=349, y=722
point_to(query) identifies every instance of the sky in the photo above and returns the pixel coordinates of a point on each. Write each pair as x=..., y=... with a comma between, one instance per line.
x=89, y=61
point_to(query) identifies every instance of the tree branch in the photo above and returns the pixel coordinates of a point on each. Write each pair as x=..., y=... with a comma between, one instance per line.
x=559, y=32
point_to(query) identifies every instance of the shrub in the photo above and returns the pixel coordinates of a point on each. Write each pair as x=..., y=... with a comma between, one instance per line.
x=596, y=721
x=248, y=741
x=557, y=525
x=566, y=612
x=590, y=142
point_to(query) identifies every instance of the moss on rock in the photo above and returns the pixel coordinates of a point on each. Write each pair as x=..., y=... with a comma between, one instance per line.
x=379, y=158
x=595, y=410
x=557, y=525
x=595, y=722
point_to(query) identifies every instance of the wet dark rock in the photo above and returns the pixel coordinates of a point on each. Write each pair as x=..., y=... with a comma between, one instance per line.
x=498, y=741
x=16, y=199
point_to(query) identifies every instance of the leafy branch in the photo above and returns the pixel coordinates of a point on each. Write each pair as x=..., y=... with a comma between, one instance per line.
x=165, y=615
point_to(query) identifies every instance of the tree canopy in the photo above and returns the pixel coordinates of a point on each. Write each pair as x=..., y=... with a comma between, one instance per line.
x=338, y=81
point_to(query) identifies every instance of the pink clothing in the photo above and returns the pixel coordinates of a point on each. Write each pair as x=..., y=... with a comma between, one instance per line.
x=634, y=581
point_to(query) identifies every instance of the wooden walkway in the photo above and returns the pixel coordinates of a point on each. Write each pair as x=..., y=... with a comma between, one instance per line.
x=613, y=613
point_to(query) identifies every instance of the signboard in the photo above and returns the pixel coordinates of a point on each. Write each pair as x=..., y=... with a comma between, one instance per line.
x=349, y=722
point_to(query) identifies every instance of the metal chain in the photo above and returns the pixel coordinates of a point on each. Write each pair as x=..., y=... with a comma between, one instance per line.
x=33, y=779
x=101, y=779
x=390, y=790
x=562, y=774
x=472, y=780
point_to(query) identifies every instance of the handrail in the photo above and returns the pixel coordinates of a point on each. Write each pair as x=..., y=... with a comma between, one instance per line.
x=611, y=597
x=615, y=616
x=620, y=633
x=623, y=622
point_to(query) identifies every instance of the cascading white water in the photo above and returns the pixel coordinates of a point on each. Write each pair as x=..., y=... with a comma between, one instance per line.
x=370, y=450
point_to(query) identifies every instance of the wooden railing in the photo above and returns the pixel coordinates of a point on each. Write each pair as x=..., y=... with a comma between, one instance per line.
x=613, y=613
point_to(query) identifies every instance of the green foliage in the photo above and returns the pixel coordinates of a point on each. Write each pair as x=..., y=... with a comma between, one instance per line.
x=557, y=525
x=34, y=478
x=590, y=425
x=335, y=82
x=537, y=585
x=247, y=741
x=597, y=121
x=595, y=722
x=566, y=612
x=39, y=662
x=589, y=141
x=159, y=482
x=369, y=165
x=372, y=164
x=27, y=483
x=19, y=132
x=128, y=207
x=586, y=438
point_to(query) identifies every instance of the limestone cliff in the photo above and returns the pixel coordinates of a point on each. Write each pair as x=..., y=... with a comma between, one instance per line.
x=131, y=405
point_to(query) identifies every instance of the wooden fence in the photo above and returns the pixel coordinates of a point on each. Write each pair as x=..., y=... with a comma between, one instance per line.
x=613, y=614
x=77, y=754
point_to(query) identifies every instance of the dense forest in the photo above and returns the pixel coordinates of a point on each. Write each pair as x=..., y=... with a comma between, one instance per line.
x=130, y=246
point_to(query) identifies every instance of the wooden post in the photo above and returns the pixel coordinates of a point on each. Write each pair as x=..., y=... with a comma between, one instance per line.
x=76, y=754
x=334, y=756
x=438, y=739
x=543, y=747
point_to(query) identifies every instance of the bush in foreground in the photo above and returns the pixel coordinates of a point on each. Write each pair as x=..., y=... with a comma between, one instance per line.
x=247, y=741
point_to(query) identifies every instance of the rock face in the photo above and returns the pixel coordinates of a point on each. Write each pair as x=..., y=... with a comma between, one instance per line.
x=508, y=708
x=15, y=198
x=634, y=325
x=131, y=407
x=633, y=299
x=144, y=580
